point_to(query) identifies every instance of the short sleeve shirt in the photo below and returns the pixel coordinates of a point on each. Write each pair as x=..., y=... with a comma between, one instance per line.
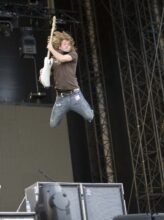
x=65, y=73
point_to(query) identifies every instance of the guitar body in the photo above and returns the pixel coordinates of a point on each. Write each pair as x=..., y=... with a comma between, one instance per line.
x=46, y=72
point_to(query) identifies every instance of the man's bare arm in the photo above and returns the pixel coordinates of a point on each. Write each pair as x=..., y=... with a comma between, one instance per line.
x=58, y=56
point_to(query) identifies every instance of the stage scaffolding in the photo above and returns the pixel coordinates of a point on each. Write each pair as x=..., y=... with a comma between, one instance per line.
x=92, y=83
x=138, y=28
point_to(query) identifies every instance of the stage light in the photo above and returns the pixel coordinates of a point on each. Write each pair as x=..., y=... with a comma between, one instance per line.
x=5, y=28
x=28, y=42
x=32, y=2
x=51, y=203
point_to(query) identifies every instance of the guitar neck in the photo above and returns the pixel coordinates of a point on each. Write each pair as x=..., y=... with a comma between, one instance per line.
x=51, y=35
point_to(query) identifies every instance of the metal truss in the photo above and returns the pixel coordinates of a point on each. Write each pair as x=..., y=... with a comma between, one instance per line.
x=102, y=123
x=25, y=10
x=92, y=83
x=39, y=16
x=138, y=31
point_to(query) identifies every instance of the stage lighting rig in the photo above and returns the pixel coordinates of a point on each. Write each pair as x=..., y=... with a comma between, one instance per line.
x=28, y=50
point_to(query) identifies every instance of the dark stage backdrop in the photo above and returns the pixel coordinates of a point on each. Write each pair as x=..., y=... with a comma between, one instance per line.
x=30, y=151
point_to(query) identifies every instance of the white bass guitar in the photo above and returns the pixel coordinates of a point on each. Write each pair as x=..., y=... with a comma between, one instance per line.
x=46, y=71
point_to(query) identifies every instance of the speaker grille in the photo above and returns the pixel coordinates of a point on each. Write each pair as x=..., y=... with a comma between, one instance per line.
x=103, y=202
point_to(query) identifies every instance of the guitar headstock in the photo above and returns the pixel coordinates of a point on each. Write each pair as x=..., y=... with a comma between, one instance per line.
x=54, y=23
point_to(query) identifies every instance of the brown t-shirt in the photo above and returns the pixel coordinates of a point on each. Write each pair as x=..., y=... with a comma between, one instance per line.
x=65, y=73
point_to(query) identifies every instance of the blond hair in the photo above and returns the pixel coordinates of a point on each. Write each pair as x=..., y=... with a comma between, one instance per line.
x=58, y=37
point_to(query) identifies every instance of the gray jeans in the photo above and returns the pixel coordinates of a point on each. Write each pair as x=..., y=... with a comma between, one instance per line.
x=73, y=102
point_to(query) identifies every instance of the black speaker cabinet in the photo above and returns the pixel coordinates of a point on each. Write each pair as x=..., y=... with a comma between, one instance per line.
x=158, y=216
x=133, y=217
x=70, y=201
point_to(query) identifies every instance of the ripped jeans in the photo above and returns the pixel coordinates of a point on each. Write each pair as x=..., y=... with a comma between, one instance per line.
x=75, y=102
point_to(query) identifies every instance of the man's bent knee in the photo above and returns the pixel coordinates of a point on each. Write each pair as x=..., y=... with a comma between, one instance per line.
x=54, y=124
